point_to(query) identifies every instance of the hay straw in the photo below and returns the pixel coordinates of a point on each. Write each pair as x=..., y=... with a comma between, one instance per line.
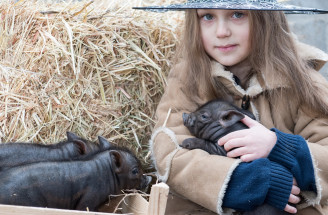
x=91, y=67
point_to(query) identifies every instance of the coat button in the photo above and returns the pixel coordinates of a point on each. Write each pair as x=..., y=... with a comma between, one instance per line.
x=245, y=102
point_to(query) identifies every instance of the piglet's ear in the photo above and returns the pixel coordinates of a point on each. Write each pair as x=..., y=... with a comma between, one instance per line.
x=103, y=143
x=117, y=161
x=230, y=117
x=81, y=145
x=71, y=136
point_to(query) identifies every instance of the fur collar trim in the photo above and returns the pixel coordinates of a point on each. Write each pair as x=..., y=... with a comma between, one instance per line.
x=253, y=90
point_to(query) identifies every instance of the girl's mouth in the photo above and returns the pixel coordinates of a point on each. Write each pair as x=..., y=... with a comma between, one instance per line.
x=227, y=48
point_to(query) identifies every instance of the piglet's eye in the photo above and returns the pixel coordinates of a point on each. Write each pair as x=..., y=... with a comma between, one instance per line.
x=135, y=171
x=204, y=116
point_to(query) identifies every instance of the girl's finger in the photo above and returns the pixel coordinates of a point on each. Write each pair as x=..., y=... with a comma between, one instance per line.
x=234, y=143
x=290, y=209
x=294, y=182
x=248, y=157
x=295, y=190
x=237, y=152
x=249, y=121
x=294, y=199
x=232, y=135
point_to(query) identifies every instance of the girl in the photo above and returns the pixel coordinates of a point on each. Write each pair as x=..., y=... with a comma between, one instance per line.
x=243, y=51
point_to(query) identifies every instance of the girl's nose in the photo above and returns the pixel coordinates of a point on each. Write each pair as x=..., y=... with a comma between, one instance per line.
x=222, y=29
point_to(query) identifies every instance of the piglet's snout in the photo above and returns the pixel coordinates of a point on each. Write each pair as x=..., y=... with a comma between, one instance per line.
x=187, y=120
x=145, y=181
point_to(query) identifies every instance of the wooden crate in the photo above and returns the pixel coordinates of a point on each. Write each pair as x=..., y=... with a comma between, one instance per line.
x=136, y=205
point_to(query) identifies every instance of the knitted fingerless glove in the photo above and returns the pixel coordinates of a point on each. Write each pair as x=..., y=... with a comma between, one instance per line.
x=293, y=152
x=258, y=182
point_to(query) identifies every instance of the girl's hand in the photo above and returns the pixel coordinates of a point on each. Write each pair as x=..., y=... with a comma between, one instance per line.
x=249, y=144
x=293, y=198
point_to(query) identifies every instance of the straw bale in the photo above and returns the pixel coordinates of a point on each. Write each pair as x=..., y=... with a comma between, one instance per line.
x=91, y=67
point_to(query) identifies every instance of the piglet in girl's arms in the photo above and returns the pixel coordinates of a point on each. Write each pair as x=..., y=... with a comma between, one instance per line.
x=212, y=121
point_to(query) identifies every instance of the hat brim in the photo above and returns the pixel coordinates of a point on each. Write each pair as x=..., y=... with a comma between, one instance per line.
x=290, y=9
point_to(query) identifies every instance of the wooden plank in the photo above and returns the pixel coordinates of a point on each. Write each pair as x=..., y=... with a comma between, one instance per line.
x=132, y=204
x=19, y=210
x=158, y=199
x=135, y=204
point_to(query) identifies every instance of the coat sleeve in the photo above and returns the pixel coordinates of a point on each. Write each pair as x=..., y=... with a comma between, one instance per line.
x=314, y=129
x=194, y=174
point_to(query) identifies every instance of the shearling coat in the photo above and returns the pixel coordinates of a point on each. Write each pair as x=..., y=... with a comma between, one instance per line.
x=203, y=178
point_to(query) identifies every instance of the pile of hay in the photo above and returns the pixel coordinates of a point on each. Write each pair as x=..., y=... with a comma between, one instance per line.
x=90, y=67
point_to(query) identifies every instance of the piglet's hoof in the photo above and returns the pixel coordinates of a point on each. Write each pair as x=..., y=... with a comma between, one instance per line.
x=189, y=144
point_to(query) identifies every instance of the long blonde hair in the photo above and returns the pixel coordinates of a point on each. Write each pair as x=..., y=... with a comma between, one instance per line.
x=273, y=55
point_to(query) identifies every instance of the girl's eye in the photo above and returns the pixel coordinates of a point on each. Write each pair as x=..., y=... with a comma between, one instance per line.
x=208, y=17
x=238, y=15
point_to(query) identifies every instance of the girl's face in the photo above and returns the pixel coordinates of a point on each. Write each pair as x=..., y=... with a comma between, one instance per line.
x=225, y=35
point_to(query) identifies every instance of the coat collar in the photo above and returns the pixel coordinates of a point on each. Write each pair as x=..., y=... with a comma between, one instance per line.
x=311, y=53
x=226, y=78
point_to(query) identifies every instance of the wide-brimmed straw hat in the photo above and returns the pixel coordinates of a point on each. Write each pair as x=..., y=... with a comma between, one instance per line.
x=271, y=5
